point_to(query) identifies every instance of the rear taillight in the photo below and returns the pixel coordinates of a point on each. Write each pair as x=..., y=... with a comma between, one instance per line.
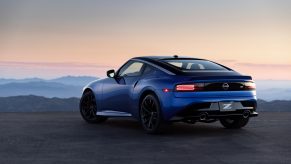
x=185, y=87
x=250, y=85
x=189, y=87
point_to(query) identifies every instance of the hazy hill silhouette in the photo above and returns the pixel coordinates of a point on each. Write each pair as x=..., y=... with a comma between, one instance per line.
x=37, y=104
x=63, y=87
x=67, y=80
x=40, y=88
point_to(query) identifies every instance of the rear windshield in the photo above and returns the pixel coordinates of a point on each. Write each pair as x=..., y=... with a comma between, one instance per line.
x=194, y=65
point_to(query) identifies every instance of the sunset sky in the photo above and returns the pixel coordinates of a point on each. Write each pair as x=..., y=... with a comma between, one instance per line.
x=51, y=38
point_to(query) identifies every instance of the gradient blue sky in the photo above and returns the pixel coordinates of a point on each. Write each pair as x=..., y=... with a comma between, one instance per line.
x=50, y=38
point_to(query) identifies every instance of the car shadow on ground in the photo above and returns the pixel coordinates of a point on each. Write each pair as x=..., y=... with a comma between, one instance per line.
x=130, y=127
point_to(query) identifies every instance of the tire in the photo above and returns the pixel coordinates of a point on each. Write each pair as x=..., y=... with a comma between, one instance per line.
x=150, y=114
x=88, y=109
x=234, y=123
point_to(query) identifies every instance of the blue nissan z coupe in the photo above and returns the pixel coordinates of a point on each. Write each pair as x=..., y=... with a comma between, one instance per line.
x=157, y=90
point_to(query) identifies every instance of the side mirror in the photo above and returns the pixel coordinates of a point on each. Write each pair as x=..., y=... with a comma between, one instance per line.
x=111, y=73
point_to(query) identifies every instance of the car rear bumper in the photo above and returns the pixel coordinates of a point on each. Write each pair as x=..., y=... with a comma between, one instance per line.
x=176, y=107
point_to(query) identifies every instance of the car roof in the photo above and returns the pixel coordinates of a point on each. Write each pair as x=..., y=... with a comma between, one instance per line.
x=156, y=60
x=166, y=57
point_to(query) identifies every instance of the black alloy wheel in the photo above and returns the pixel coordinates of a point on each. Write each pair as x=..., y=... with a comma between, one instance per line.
x=150, y=114
x=88, y=109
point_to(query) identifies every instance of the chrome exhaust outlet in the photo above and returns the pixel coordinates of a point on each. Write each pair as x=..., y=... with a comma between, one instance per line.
x=203, y=116
x=246, y=114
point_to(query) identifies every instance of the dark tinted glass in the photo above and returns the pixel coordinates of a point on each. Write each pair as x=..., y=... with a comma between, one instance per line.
x=194, y=65
x=148, y=69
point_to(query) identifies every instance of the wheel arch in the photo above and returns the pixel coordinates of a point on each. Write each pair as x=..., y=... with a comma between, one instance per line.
x=145, y=93
x=86, y=90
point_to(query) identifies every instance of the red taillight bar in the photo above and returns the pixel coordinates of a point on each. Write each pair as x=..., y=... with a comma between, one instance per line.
x=185, y=87
x=250, y=85
x=190, y=87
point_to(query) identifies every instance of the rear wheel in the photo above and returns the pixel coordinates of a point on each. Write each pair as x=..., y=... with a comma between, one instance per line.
x=150, y=114
x=234, y=123
x=88, y=109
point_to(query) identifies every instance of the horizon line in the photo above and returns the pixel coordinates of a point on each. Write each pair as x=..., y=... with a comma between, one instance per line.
x=98, y=77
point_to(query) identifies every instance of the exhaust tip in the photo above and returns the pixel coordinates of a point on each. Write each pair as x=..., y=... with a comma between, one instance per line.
x=246, y=114
x=203, y=116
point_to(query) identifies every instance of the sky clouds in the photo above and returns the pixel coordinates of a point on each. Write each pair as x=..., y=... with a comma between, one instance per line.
x=72, y=34
x=52, y=64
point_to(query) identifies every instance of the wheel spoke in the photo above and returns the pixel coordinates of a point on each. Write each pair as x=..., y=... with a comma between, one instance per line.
x=91, y=113
x=86, y=112
x=155, y=115
x=145, y=109
x=150, y=122
x=146, y=104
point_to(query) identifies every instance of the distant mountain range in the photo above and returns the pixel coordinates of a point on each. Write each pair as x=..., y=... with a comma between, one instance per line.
x=275, y=105
x=274, y=89
x=42, y=104
x=63, y=87
x=37, y=104
x=71, y=86
x=66, y=80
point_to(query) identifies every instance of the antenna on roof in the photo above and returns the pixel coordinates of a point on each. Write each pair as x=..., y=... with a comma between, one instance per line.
x=176, y=56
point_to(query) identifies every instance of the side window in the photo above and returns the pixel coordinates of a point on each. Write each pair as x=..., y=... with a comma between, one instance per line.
x=131, y=69
x=148, y=69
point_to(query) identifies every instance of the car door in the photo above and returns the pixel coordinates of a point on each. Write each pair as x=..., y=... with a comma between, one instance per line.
x=117, y=91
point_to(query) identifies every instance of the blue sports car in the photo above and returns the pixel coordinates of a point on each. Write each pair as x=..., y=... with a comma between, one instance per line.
x=157, y=90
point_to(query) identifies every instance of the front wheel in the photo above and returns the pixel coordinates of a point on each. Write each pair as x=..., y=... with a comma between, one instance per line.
x=88, y=109
x=234, y=123
x=150, y=114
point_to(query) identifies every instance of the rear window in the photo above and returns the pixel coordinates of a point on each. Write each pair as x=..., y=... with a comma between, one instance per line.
x=194, y=65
